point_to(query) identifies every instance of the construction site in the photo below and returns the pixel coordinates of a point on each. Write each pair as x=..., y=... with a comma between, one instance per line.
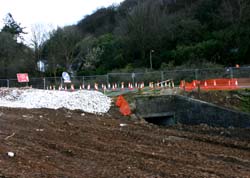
x=89, y=134
x=125, y=89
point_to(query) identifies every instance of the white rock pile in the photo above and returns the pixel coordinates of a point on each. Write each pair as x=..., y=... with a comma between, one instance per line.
x=87, y=101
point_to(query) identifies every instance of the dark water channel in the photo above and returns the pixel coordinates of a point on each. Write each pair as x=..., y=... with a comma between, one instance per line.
x=162, y=121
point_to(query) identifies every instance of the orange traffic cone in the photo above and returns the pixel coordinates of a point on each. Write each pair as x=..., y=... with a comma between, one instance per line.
x=122, y=86
x=96, y=86
x=72, y=87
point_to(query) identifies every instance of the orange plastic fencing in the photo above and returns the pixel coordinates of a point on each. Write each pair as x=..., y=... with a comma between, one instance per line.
x=187, y=86
x=219, y=84
x=211, y=84
x=123, y=105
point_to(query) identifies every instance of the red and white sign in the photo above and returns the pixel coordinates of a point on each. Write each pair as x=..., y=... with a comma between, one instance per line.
x=22, y=77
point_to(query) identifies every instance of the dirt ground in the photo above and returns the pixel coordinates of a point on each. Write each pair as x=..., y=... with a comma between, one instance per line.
x=70, y=144
x=236, y=99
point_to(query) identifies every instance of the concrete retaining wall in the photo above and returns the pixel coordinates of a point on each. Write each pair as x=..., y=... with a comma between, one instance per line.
x=190, y=111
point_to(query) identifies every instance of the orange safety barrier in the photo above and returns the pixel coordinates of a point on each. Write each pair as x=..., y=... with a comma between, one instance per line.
x=219, y=84
x=210, y=84
x=123, y=105
x=187, y=86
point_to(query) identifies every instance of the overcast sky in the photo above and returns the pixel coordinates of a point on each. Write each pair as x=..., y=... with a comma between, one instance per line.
x=50, y=12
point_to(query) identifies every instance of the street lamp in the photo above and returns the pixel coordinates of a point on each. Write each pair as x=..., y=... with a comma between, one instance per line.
x=150, y=57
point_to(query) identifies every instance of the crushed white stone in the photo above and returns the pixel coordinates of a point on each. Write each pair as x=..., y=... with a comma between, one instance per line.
x=87, y=101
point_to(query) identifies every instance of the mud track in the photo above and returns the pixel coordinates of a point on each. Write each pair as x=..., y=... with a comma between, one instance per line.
x=69, y=144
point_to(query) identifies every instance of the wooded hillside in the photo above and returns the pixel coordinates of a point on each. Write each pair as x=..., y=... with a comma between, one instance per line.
x=190, y=33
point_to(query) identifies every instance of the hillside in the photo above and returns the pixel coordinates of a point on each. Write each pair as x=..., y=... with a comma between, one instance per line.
x=149, y=34
x=177, y=32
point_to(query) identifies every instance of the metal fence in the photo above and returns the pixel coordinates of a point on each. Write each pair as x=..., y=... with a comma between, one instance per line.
x=146, y=77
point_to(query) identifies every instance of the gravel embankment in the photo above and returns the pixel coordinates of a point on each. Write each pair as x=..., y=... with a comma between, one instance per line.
x=87, y=101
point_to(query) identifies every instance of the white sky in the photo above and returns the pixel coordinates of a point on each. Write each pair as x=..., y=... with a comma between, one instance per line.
x=50, y=12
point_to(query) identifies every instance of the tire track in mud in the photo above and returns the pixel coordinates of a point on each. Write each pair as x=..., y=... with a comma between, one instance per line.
x=70, y=145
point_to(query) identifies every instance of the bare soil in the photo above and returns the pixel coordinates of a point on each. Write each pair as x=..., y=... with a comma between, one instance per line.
x=236, y=99
x=69, y=144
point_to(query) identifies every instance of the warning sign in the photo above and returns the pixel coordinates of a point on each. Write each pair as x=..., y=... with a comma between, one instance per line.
x=22, y=77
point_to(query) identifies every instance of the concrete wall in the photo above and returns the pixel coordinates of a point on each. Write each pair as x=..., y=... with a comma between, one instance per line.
x=190, y=111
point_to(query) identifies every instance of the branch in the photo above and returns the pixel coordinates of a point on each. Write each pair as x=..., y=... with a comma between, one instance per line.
x=6, y=138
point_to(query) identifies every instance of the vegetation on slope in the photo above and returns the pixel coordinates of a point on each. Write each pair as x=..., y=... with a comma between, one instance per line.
x=172, y=32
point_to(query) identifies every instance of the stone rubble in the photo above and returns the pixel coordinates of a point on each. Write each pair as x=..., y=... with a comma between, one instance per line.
x=87, y=101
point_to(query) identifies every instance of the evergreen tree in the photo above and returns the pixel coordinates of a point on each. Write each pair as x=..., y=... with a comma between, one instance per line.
x=12, y=27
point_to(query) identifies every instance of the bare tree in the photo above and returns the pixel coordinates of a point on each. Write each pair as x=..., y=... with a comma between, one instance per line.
x=39, y=34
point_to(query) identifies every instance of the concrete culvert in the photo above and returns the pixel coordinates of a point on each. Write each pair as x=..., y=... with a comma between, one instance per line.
x=162, y=120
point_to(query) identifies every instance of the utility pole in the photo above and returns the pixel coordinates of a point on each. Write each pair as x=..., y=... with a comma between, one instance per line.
x=150, y=58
